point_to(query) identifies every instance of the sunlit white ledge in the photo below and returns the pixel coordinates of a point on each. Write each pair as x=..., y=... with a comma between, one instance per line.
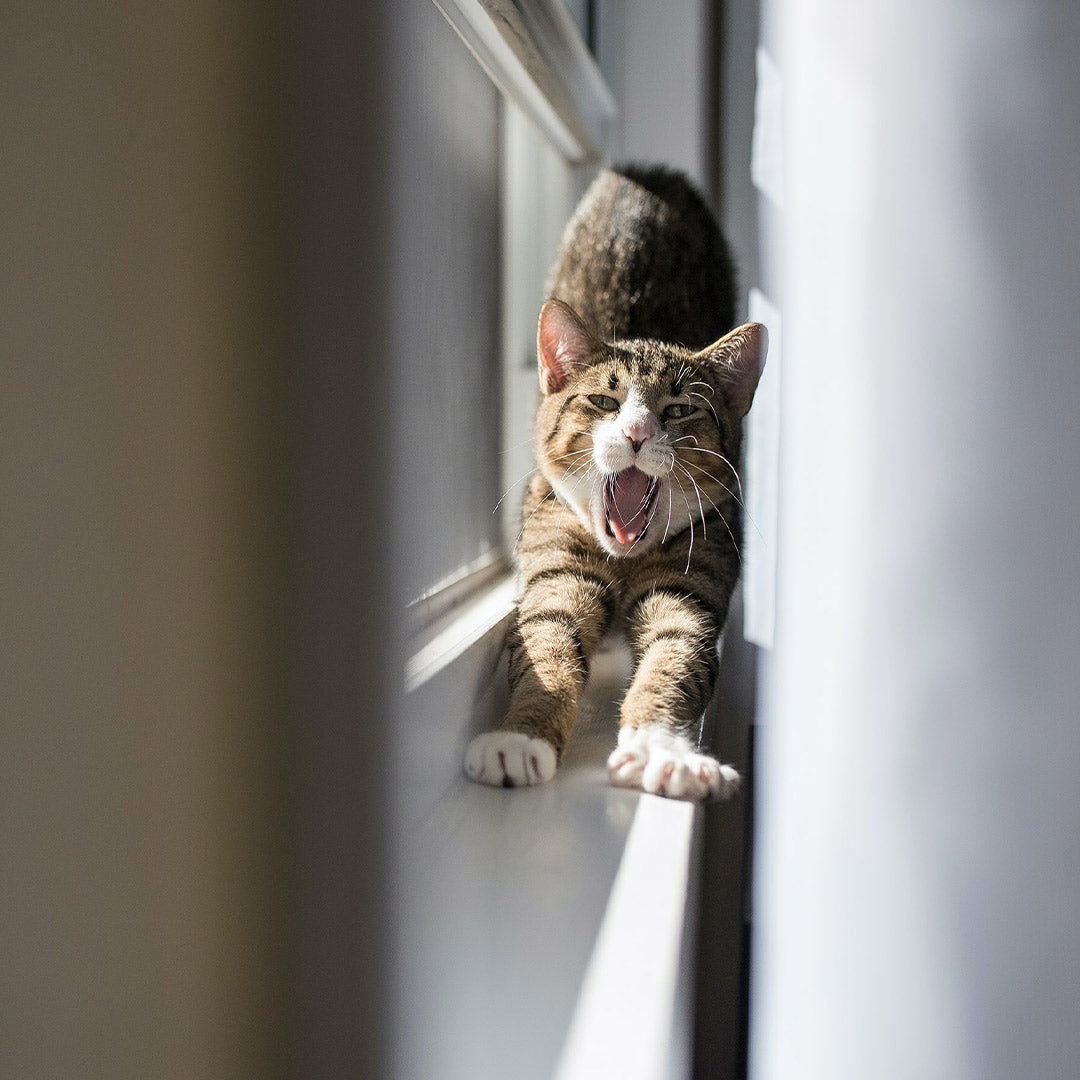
x=447, y=639
x=541, y=933
x=628, y=1021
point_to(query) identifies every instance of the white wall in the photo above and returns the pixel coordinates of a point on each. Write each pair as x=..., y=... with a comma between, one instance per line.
x=920, y=830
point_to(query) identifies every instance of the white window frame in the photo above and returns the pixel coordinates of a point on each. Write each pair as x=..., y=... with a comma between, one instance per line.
x=535, y=55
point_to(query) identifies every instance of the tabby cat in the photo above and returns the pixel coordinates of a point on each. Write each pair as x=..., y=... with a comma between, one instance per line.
x=632, y=518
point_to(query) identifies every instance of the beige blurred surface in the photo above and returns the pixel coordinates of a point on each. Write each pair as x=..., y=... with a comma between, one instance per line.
x=147, y=898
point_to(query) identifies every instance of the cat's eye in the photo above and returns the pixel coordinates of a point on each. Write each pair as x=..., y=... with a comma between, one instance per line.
x=678, y=411
x=602, y=401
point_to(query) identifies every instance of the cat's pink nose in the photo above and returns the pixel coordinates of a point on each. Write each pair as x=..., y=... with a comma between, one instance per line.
x=639, y=431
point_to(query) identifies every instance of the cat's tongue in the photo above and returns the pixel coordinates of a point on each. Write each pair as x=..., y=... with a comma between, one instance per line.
x=626, y=504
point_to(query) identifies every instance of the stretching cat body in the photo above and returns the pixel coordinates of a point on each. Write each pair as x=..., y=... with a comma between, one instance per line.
x=632, y=519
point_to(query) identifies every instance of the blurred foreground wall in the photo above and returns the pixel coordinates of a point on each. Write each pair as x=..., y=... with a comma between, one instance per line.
x=145, y=895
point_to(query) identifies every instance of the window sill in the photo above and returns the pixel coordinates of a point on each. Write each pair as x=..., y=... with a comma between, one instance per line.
x=540, y=932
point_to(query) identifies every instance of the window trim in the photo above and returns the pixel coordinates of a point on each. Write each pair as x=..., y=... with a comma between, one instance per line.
x=444, y=597
x=533, y=52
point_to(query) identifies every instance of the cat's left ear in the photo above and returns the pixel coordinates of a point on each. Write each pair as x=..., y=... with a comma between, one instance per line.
x=563, y=345
x=740, y=357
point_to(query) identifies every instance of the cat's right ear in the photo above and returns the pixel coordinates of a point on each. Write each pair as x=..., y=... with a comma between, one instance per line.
x=563, y=345
x=739, y=357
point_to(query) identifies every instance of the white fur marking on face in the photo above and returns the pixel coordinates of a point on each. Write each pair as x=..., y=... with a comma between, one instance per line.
x=663, y=762
x=612, y=451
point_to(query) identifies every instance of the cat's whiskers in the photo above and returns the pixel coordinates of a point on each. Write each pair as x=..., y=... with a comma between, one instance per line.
x=585, y=454
x=707, y=404
x=520, y=480
x=701, y=509
x=580, y=470
x=572, y=453
x=716, y=480
x=711, y=476
x=690, y=517
x=525, y=524
x=510, y=447
x=531, y=472
x=719, y=512
x=668, y=525
x=739, y=501
x=701, y=492
x=713, y=453
x=684, y=373
x=697, y=382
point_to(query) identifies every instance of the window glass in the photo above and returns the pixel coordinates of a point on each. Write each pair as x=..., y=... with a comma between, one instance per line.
x=539, y=192
x=445, y=304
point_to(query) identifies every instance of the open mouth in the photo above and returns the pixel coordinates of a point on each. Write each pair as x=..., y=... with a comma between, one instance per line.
x=629, y=502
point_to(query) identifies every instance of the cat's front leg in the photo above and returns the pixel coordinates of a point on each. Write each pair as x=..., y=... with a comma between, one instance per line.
x=547, y=669
x=562, y=616
x=673, y=633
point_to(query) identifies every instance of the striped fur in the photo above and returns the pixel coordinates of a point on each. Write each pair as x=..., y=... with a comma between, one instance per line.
x=632, y=520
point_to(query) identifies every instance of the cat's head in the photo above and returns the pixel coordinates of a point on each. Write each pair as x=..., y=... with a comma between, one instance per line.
x=641, y=438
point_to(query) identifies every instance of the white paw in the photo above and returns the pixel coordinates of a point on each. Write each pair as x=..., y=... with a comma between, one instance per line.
x=662, y=762
x=509, y=759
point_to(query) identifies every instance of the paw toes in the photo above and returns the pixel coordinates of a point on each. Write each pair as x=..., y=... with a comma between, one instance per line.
x=509, y=759
x=683, y=783
x=669, y=783
x=730, y=781
x=664, y=776
x=664, y=763
x=475, y=768
x=625, y=768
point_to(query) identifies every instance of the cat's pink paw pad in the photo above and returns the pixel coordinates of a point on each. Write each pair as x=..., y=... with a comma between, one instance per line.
x=663, y=762
x=509, y=759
